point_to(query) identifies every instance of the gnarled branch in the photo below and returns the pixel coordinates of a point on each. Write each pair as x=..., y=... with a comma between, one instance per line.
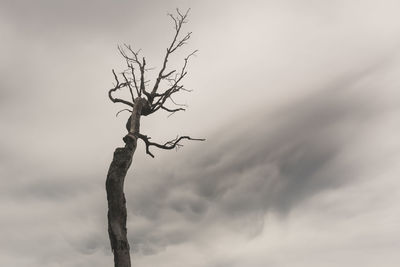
x=167, y=145
x=117, y=87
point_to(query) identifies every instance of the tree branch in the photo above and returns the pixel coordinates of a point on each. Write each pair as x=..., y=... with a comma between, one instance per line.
x=134, y=58
x=168, y=145
x=132, y=71
x=172, y=110
x=128, y=83
x=116, y=87
x=125, y=109
x=178, y=21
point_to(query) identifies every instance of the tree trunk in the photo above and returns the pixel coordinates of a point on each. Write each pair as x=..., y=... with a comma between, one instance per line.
x=115, y=190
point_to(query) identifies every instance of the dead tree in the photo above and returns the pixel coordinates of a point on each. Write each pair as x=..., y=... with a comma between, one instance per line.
x=143, y=101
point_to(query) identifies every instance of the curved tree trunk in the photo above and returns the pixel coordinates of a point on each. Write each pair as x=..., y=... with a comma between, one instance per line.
x=115, y=190
x=117, y=204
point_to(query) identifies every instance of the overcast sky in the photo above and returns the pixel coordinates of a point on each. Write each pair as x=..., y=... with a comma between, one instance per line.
x=299, y=101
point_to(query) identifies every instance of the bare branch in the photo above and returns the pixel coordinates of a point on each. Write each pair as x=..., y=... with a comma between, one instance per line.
x=125, y=109
x=173, y=101
x=178, y=22
x=128, y=83
x=134, y=57
x=116, y=87
x=172, y=110
x=175, y=21
x=167, y=75
x=142, y=81
x=118, y=100
x=183, y=71
x=163, y=98
x=181, y=42
x=175, y=87
x=134, y=78
x=168, y=145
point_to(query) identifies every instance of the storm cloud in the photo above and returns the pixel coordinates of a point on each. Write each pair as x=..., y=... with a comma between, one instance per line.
x=260, y=163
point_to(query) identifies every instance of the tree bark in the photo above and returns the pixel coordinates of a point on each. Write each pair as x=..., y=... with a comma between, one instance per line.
x=117, y=214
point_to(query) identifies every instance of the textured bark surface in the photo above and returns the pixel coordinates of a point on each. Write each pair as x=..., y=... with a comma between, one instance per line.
x=115, y=190
x=117, y=205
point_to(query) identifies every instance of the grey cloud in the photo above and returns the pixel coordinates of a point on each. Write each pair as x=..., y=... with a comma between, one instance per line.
x=262, y=163
x=54, y=188
x=53, y=220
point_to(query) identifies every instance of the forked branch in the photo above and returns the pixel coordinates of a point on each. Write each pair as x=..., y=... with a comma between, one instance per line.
x=118, y=86
x=132, y=59
x=179, y=20
x=134, y=76
x=175, y=143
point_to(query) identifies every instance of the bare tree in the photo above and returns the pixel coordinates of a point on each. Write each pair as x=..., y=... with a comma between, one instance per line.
x=143, y=101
